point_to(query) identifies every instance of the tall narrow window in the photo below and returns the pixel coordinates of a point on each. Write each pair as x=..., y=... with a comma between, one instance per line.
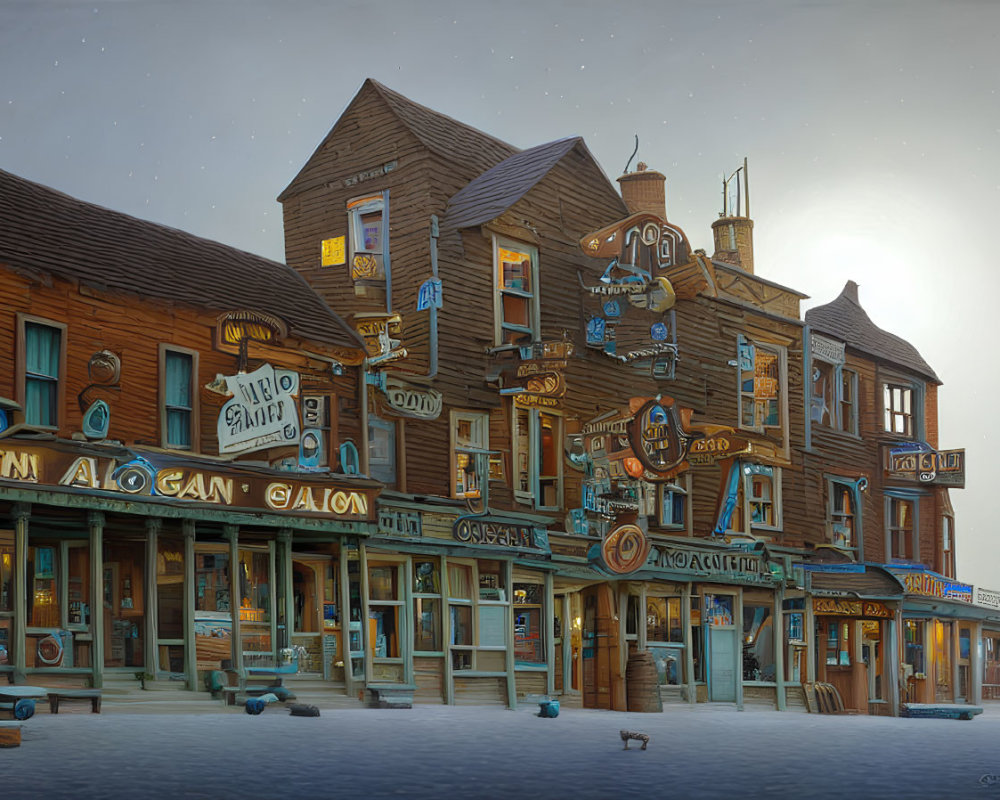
x=470, y=433
x=841, y=514
x=761, y=386
x=900, y=527
x=516, y=300
x=537, y=449
x=42, y=362
x=178, y=403
x=368, y=237
x=898, y=405
x=763, y=495
x=848, y=417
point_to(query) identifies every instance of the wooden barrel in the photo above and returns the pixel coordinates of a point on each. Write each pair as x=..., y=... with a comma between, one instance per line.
x=641, y=683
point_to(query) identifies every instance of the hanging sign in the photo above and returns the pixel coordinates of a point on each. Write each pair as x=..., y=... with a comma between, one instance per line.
x=261, y=412
x=625, y=549
x=716, y=447
x=429, y=295
x=938, y=467
x=656, y=436
x=408, y=400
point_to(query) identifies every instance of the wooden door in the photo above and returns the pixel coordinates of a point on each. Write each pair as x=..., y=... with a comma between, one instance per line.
x=603, y=681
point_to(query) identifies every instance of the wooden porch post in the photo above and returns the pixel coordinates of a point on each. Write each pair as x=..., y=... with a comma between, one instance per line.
x=95, y=520
x=190, y=650
x=151, y=654
x=21, y=513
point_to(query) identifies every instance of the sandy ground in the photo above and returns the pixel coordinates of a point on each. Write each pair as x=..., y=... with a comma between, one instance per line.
x=472, y=752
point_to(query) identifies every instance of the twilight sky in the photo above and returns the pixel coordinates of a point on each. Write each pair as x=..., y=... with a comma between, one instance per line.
x=872, y=129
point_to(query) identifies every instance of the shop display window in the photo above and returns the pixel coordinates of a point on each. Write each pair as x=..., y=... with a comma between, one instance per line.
x=6, y=571
x=256, y=599
x=837, y=643
x=529, y=639
x=663, y=619
x=668, y=662
x=758, y=643
x=427, y=606
x=479, y=613
x=170, y=590
x=914, y=646
x=43, y=598
x=697, y=640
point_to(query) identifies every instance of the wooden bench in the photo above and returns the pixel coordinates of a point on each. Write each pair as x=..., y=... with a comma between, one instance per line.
x=93, y=695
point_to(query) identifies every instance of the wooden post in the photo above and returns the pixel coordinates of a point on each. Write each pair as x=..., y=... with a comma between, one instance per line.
x=345, y=619
x=778, y=642
x=567, y=644
x=738, y=629
x=449, y=686
x=95, y=520
x=509, y=638
x=21, y=513
x=975, y=663
x=151, y=654
x=692, y=690
x=284, y=565
x=231, y=534
x=549, y=633
x=190, y=650
x=893, y=656
x=809, y=621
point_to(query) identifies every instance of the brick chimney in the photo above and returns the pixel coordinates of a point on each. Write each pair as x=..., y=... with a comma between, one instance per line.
x=645, y=190
x=733, y=233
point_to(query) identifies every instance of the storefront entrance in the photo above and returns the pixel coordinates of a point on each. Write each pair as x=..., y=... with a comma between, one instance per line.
x=722, y=648
x=124, y=604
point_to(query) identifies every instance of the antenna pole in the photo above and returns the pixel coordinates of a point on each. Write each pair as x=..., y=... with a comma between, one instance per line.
x=746, y=184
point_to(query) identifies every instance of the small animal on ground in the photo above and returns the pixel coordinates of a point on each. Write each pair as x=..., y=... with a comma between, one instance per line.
x=641, y=737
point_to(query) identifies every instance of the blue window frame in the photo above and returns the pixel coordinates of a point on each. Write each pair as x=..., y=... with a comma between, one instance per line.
x=177, y=399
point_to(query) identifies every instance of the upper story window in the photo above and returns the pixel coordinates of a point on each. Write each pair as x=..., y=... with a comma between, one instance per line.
x=673, y=506
x=947, y=546
x=178, y=381
x=382, y=450
x=901, y=527
x=369, y=236
x=516, y=292
x=752, y=500
x=843, y=514
x=833, y=388
x=538, y=471
x=469, y=433
x=762, y=385
x=42, y=367
x=899, y=407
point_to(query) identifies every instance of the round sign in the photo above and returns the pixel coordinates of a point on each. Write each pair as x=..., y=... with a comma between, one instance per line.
x=625, y=548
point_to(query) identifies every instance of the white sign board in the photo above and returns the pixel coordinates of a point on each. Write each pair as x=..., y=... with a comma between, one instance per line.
x=261, y=412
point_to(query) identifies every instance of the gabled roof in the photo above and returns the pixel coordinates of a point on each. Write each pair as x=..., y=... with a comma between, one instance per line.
x=497, y=189
x=846, y=320
x=445, y=136
x=48, y=232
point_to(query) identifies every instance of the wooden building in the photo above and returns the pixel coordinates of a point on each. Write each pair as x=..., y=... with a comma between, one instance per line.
x=180, y=453
x=599, y=441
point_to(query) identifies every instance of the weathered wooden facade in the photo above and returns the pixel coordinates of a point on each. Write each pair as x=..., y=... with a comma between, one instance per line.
x=180, y=451
x=600, y=440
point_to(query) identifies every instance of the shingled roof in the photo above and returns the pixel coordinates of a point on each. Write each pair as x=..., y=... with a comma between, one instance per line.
x=497, y=189
x=445, y=136
x=45, y=231
x=846, y=320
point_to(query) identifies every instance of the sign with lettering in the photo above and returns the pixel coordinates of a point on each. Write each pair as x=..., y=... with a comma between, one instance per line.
x=429, y=295
x=937, y=467
x=392, y=522
x=987, y=597
x=151, y=474
x=727, y=566
x=851, y=608
x=827, y=349
x=656, y=435
x=378, y=330
x=484, y=530
x=371, y=174
x=930, y=584
x=261, y=412
x=408, y=400
x=333, y=252
x=717, y=446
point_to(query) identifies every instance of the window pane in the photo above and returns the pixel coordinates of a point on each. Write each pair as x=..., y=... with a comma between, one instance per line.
x=41, y=350
x=177, y=392
x=515, y=270
x=758, y=644
x=427, y=624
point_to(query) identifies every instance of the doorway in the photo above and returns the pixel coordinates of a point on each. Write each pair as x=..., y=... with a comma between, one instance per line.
x=603, y=682
x=722, y=648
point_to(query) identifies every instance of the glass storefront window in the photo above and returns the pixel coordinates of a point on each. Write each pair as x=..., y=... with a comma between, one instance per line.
x=529, y=639
x=6, y=571
x=427, y=624
x=758, y=643
x=914, y=645
x=663, y=619
x=43, y=595
x=170, y=589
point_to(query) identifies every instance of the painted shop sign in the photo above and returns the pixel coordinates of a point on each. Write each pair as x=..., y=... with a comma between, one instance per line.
x=716, y=447
x=827, y=349
x=938, y=467
x=140, y=476
x=987, y=597
x=928, y=584
x=377, y=330
x=624, y=549
x=482, y=530
x=656, y=436
x=851, y=608
x=261, y=412
x=399, y=523
x=409, y=400
x=743, y=567
x=333, y=252
x=429, y=295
